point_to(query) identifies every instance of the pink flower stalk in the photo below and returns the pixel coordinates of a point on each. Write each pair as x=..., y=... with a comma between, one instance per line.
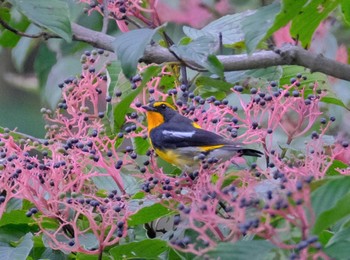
x=122, y=12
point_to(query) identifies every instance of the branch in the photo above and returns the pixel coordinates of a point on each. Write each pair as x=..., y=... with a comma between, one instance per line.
x=287, y=55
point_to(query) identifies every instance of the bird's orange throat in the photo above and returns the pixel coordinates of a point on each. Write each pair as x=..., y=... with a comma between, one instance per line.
x=154, y=119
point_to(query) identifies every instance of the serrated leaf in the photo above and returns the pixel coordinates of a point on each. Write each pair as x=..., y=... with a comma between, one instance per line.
x=331, y=216
x=292, y=71
x=146, y=249
x=254, y=29
x=313, y=12
x=148, y=214
x=230, y=26
x=198, y=51
x=130, y=47
x=242, y=250
x=52, y=15
x=207, y=86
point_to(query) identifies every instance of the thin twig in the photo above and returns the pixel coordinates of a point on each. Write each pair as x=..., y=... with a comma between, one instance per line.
x=44, y=35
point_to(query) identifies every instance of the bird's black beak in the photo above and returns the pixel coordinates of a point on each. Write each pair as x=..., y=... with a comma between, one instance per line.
x=148, y=108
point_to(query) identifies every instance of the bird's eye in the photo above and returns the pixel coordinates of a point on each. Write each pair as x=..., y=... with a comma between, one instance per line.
x=163, y=106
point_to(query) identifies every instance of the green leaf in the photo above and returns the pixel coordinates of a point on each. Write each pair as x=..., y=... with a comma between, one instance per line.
x=215, y=66
x=331, y=216
x=255, y=78
x=122, y=108
x=145, y=249
x=65, y=67
x=256, y=26
x=5, y=14
x=289, y=9
x=242, y=250
x=332, y=170
x=198, y=52
x=105, y=183
x=339, y=251
x=309, y=17
x=15, y=217
x=230, y=26
x=334, y=101
x=341, y=236
x=208, y=86
x=81, y=256
x=326, y=196
x=130, y=47
x=141, y=145
x=345, y=8
x=18, y=21
x=43, y=63
x=52, y=15
x=24, y=48
x=292, y=71
x=113, y=71
x=148, y=214
x=21, y=251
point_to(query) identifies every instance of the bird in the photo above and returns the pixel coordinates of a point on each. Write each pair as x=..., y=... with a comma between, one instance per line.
x=183, y=143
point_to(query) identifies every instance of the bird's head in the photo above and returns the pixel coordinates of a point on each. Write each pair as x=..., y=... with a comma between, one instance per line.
x=158, y=113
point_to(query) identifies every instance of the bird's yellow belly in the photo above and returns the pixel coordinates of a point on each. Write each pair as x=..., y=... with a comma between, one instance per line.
x=176, y=158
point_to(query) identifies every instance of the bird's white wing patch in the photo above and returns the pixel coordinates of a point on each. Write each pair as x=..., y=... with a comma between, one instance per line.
x=178, y=134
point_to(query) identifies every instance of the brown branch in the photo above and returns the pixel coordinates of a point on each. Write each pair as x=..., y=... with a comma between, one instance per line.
x=287, y=55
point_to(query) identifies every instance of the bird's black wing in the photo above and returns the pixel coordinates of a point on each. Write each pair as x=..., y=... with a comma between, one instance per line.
x=184, y=135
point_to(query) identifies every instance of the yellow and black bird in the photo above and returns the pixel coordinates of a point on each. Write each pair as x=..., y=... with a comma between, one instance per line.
x=181, y=142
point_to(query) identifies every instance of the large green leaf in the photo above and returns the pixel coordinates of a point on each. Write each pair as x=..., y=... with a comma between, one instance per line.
x=198, y=51
x=289, y=9
x=256, y=26
x=52, y=15
x=326, y=196
x=309, y=17
x=148, y=214
x=20, y=251
x=130, y=47
x=230, y=26
x=145, y=249
x=331, y=216
x=242, y=250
